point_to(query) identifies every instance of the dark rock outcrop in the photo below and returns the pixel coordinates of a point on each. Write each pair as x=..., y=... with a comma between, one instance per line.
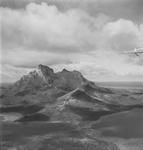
x=44, y=77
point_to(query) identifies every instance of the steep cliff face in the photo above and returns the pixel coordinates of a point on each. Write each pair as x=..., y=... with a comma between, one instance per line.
x=42, y=76
x=69, y=80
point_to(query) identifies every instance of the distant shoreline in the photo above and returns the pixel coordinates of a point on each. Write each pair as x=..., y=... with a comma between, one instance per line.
x=122, y=84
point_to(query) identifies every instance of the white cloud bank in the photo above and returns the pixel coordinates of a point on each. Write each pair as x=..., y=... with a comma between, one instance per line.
x=41, y=33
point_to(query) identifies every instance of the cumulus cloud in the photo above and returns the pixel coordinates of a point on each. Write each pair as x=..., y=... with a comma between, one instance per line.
x=124, y=34
x=128, y=9
x=45, y=27
x=74, y=39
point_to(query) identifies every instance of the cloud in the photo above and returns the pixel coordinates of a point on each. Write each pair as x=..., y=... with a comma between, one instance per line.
x=10, y=73
x=30, y=59
x=45, y=27
x=123, y=34
x=128, y=9
x=73, y=39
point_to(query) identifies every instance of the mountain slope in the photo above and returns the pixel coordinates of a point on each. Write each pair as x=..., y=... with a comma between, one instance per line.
x=43, y=83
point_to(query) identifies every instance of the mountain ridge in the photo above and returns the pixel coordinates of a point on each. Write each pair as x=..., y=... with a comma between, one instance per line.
x=43, y=85
x=45, y=76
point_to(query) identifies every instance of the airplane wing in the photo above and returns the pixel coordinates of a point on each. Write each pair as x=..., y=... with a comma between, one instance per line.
x=139, y=52
x=136, y=51
x=132, y=52
x=139, y=48
x=128, y=52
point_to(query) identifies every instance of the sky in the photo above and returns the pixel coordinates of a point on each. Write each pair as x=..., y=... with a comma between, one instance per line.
x=85, y=35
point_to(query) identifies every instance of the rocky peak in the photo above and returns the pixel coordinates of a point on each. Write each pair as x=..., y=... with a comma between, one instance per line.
x=44, y=78
x=45, y=70
x=69, y=80
x=64, y=70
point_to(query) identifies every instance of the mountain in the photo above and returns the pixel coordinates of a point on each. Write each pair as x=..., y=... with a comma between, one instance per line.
x=43, y=85
x=45, y=77
x=60, y=108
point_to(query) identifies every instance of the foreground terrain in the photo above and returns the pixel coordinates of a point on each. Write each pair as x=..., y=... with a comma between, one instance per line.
x=45, y=110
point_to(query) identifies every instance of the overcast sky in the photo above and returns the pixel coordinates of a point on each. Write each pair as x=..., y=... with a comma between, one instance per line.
x=84, y=35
